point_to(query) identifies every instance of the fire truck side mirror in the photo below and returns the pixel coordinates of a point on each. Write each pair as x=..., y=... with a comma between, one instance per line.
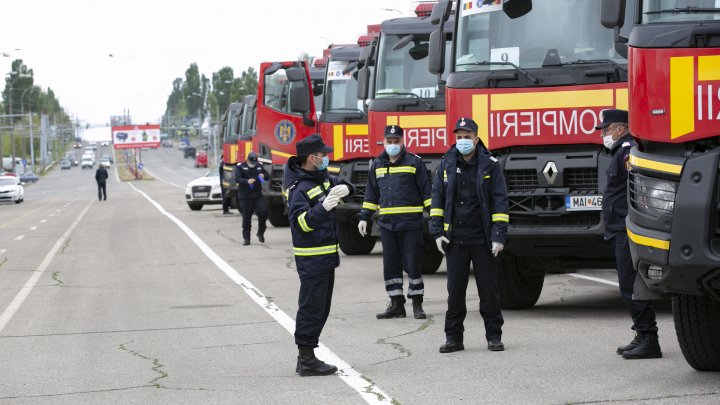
x=436, y=52
x=440, y=12
x=517, y=8
x=299, y=100
x=363, y=79
x=612, y=13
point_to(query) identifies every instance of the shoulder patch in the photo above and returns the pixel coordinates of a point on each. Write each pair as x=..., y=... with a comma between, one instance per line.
x=626, y=144
x=493, y=158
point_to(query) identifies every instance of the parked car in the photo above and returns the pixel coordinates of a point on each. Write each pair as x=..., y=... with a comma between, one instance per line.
x=182, y=145
x=29, y=177
x=189, y=152
x=12, y=190
x=167, y=143
x=65, y=164
x=201, y=159
x=204, y=190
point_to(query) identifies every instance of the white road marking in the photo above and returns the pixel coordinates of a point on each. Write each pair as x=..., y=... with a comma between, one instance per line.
x=42, y=221
x=19, y=299
x=370, y=392
x=162, y=180
x=597, y=280
x=32, y=228
x=19, y=237
x=2, y=251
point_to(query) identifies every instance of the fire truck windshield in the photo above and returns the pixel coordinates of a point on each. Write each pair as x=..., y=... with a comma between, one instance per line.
x=572, y=27
x=662, y=11
x=341, y=90
x=403, y=72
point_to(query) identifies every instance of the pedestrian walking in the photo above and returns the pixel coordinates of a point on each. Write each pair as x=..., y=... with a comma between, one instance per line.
x=224, y=193
x=618, y=140
x=468, y=219
x=249, y=177
x=398, y=190
x=312, y=197
x=101, y=176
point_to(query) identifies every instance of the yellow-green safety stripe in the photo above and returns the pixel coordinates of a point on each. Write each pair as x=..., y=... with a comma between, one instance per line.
x=315, y=251
x=500, y=218
x=437, y=212
x=427, y=202
x=395, y=169
x=400, y=210
x=370, y=206
x=446, y=227
x=303, y=224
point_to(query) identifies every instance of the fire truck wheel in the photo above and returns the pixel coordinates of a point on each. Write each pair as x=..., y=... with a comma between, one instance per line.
x=277, y=216
x=698, y=330
x=233, y=202
x=351, y=242
x=520, y=288
x=432, y=258
x=195, y=207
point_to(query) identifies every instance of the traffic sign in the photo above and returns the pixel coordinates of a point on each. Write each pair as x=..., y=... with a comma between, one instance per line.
x=24, y=162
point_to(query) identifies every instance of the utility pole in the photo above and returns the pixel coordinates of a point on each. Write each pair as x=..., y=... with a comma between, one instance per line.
x=32, y=147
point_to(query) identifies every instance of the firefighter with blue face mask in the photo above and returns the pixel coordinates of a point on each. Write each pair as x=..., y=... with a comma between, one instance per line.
x=398, y=190
x=468, y=220
x=312, y=197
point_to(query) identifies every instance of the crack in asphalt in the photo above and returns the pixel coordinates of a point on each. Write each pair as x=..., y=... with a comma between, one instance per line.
x=602, y=401
x=229, y=325
x=239, y=345
x=76, y=392
x=56, y=277
x=65, y=245
x=221, y=233
x=157, y=366
x=4, y=260
x=404, y=352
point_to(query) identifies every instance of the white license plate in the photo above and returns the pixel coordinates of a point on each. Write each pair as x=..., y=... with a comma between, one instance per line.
x=583, y=202
x=200, y=194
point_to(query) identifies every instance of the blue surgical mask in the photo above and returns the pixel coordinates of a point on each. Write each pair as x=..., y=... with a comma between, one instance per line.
x=393, y=149
x=324, y=164
x=465, y=146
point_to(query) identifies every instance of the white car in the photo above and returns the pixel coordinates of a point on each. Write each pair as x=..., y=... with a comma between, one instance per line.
x=105, y=143
x=87, y=162
x=204, y=190
x=11, y=189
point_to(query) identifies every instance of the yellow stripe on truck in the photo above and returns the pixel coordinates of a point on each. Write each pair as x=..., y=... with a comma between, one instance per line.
x=709, y=68
x=356, y=130
x=338, y=142
x=554, y=99
x=621, y=99
x=654, y=165
x=418, y=121
x=647, y=241
x=682, y=93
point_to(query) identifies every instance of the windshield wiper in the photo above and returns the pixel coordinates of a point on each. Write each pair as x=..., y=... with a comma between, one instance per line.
x=688, y=9
x=518, y=68
x=591, y=61
x=406, y=93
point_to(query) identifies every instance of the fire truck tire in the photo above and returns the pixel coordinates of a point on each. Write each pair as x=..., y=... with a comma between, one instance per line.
x=351, y=243
x=432, y=258
x=233, y=202
x=277, y=216
x=195, y=207
x=520, y=288
x=697, y=326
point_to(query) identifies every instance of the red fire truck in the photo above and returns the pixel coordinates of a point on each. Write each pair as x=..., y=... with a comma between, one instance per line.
x=536, y=86
x=237, y=128
x=673, y=220
x=400, y=90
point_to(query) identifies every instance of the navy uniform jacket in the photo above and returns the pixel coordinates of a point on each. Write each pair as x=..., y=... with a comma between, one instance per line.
x=243, y=173
x=491, y=190
x=615, y=204
x=314, y=234
x=398, y=191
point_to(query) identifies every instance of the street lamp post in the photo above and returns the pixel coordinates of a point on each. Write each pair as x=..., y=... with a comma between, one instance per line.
x=32, y=147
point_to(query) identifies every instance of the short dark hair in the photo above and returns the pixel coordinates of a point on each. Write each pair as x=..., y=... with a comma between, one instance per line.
x=302, y=160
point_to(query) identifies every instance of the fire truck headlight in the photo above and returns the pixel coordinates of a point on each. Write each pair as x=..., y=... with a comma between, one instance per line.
x=652, y=196
x=662, y=197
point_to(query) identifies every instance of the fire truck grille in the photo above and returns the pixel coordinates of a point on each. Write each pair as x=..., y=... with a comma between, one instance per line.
x=521, y=180
x=359, y=180
x=573, y=220
x=585, y=179
x=276, y=179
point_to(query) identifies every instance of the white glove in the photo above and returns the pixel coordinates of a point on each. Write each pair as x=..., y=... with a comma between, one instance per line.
x=497, y=247
x=341, y=190
x=330, y=202
x=439, y=241
x=362, y=228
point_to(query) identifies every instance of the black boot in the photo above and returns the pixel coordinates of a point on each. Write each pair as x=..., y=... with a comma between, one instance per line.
x=648, y=348
x=396, y=309
x=417, y=307
x=309, y=365
x=622, y=349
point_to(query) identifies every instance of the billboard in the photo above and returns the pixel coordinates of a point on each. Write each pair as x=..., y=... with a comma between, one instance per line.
x=136, y=136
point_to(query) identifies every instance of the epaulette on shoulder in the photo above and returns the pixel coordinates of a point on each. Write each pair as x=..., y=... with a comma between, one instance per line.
x=416, y=155
x=626, y=145
x=493, y=159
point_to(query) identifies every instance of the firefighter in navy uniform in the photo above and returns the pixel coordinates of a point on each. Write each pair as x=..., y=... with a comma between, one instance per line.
x=617, y=138
x=249, y=177
x=312, y=197
x=223, y=191
x=398, y=189
x=468, y=219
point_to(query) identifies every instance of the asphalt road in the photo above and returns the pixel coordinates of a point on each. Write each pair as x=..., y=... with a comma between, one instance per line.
x=137, y=299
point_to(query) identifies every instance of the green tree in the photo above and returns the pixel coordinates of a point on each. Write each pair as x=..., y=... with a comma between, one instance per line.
x=245, y=85
x=18, y=80
x=192, y=90
x=222, y=81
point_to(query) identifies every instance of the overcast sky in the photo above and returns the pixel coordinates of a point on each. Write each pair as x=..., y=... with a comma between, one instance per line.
x=68, y=43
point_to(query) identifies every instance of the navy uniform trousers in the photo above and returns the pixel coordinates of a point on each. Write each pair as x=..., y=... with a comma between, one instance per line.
x=642, y=312
x=248, y=206
x=316, y=289
x=402, y=250
x=458, y=258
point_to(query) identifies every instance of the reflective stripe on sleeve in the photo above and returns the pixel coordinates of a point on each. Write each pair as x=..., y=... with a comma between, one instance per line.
x=400, y=210
x=500, y=218
x=303, y=224
x=314, y=192
x=446, y=227
x=427, y=202
x=370, y=206
x=315, y=251
x=437, y=212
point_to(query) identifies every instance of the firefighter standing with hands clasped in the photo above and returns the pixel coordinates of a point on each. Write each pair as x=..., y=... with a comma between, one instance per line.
x=617, y=138
x=312, y=197
x=398, y=189
x=468, y=220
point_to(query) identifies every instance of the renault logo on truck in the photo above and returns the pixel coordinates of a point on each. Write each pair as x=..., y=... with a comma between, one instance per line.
x=550, y=172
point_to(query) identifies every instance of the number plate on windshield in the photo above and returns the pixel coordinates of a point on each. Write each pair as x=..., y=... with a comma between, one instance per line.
x=583, y=202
